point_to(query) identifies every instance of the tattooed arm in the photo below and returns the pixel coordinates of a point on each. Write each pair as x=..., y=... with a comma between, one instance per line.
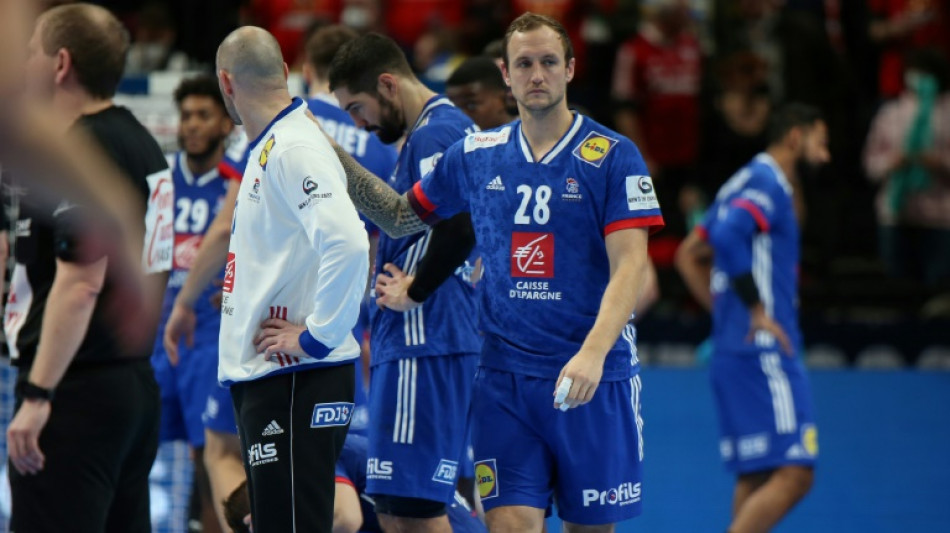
x=378, y=201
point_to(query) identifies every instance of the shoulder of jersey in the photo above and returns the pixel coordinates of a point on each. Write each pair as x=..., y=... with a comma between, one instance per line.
x=596, y=142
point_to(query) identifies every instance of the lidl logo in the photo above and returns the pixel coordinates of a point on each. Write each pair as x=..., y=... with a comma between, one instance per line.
x=810, y=439
x=265, y=153
x=486, y=478
x=594, y=148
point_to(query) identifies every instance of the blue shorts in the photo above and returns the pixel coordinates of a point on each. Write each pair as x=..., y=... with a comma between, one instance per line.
x=587, y=458
x=219, y=410
x=766, y=418
x=184, y=389
x=418, y=435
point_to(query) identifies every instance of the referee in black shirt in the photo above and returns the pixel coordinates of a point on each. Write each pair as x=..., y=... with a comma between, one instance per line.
x=85, y=432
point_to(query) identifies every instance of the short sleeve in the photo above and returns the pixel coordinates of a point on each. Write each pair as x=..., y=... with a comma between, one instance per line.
x=758, y=200
x=631, y=197
x=75, y=238
x=441, y=193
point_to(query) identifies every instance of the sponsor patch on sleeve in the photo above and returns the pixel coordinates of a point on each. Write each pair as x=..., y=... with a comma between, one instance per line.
x=640, y=194
x=427, y=164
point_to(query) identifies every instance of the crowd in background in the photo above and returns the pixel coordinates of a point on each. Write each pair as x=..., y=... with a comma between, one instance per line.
x=693, y=83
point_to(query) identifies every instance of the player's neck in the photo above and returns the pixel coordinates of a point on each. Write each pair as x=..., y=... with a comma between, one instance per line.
x=72, y=104
x=414, y=96
x=785, y=159
x=201, y=164
x=318, y=87
x=543, y=129
x=261, y=109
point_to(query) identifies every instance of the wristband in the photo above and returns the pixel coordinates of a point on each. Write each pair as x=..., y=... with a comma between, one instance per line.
x=745, y=288
x=30, y=391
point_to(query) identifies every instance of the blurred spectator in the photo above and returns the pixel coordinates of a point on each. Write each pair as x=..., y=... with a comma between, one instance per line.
x=908, y=153
x=898, y=26
x=406, y=20
x=435, y=56
x=737, y=123
x=289, y=20
x=477, y=88
x=656, y=85
x=153, y=42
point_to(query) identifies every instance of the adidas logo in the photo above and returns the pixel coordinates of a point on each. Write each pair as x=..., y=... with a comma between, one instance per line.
x=496, y=184
x=272, y=429
x=796, y=452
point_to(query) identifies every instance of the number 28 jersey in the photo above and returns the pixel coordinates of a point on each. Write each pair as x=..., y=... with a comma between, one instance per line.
x=541, y=227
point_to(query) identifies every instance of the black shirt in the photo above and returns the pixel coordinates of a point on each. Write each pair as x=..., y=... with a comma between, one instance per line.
x=49, y=228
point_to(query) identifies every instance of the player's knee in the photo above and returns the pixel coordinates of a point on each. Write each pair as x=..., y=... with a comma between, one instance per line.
x=403, y=507
x=513, y=518
x=219, y=445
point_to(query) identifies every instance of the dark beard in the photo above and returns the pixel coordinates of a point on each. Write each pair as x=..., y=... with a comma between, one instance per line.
x=392, y=123
x=213, y=145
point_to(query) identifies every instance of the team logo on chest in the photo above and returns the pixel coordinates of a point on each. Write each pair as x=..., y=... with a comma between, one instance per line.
x=532, y=255
x=594, y=148
x=572, y=191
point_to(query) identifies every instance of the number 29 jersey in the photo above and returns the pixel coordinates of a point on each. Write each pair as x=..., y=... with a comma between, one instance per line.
x=541, y=227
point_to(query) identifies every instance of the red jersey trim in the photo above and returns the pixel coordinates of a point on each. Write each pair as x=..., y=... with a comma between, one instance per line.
x=655, y=223
x=229, y=172
x=753, y=210
x=421, y=204
x=345, y=481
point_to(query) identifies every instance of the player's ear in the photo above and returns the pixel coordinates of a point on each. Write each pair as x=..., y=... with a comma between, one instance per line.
x=224, y=81
x=286, y=71
x=64, y=63
x=504, y=72
x=570, y=69
x=387, y=85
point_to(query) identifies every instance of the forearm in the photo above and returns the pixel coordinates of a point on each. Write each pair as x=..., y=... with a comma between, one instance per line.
x=694, y=263
x=211, y=257
x=65, y=323
x=618, y=302
x=213, y=252
x=378, y=201
x=450, y=244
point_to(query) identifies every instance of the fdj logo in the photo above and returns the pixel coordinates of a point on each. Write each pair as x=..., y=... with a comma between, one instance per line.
x=259, y=454
x=331, y=414
x=626, y=493
x=446, y=471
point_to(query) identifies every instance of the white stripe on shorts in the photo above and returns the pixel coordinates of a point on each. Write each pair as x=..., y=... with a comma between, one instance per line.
x=783, y=404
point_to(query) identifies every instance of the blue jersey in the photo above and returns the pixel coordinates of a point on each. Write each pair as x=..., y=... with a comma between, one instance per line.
x=752, y=227
x=540, y=226
x=351, y=469
x=365, y=147
x=452, y=307
x=197, y=200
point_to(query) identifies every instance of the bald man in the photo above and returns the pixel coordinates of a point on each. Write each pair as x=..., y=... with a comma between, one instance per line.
x=295, y=277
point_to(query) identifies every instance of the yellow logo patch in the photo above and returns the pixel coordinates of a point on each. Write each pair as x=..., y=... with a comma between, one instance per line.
x=265, y=153
x=810, y=440
x=594, y=148
x=486, y=478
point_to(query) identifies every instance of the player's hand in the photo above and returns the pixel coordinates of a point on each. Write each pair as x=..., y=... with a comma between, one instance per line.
x=279, y=336
x=23, y=436
x=180, y=324
x=578, y=380
x=759, y=321
x=392, y=289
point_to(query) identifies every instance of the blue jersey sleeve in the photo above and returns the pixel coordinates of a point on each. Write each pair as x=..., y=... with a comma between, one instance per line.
x=380, y=159
x=631, y=198
x=441, y=193
x=751, y=210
